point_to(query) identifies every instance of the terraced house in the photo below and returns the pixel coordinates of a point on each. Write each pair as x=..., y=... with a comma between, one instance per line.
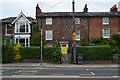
x=58, y=26
x=18, y=29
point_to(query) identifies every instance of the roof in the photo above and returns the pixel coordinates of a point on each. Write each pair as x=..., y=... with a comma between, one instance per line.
x=11, y=19
x=21, y=14
x=80, y=14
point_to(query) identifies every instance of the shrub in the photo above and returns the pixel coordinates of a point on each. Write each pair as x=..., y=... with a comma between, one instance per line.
x=15, y=52
x=30, y=52
x=116, y=38
x=35, y=39
x=84, y=43
x=100, y=41
x=95, y=52
x=49, y=53
x=6, y=54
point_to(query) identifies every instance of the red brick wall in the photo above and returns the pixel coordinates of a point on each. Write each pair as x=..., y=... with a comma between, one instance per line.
x=96, y=26
x=119, y=24
x=62, y=29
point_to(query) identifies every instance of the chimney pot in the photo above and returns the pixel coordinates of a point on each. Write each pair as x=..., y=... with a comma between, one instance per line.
x=85, y=9
x=114, y=8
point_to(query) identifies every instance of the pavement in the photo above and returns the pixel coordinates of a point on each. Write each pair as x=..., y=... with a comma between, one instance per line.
x=51, y=65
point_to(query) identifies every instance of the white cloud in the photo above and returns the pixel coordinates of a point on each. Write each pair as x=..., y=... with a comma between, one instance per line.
x=14, y=7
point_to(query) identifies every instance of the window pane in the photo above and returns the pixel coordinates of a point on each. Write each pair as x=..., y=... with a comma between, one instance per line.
x=8, y=29
x=27, y=28
x=77, y=34
x=48, y=35
x=77, y=20
x=22, y=27
x=105, y=20
x=49, y=21
x=22, y=42
x=106, y=33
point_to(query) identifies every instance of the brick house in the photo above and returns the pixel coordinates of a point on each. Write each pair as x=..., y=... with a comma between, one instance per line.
x=58, y=26
x=18, y=29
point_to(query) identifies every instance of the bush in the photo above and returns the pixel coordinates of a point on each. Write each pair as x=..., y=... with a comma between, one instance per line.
x=116, y=38
x=100, y=41
x=11, y=53
x=35, y=39
x=15, y=52
x=95, y=52
x=49, y=53
x=6, y=54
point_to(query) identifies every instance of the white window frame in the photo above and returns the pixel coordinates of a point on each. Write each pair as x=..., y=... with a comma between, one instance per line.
x=77, y=36
x=49, y=35
x=77, y=20
x=18, y=42
x=105, y=20
x=106, y=34
x=17, y=27
x=6, y=30
x=49, y=21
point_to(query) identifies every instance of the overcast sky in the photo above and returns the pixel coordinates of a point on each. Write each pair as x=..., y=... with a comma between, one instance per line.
x=12, y=8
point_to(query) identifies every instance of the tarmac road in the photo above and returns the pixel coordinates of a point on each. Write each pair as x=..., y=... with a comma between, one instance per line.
x=62, y=78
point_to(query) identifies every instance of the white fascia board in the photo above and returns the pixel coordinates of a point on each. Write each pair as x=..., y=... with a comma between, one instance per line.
x=21, y=36
x=21, y=14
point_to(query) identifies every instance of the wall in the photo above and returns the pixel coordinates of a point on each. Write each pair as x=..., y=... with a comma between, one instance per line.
x=96, y=26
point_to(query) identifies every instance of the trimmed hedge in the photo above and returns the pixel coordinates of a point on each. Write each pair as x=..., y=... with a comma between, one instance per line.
x=49, y=54
x=95, y=52
x=30, y=52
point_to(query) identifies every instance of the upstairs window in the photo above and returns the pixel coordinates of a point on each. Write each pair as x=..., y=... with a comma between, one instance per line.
x=106, y=33
x=77, y=20
x=8, y=29
x=22, y=27
x=49, y=34
x=48, y=21
x=105, y=20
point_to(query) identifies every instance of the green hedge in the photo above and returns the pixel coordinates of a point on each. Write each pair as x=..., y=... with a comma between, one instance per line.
x=30, y=52
x=95, y=52
x=49, y=54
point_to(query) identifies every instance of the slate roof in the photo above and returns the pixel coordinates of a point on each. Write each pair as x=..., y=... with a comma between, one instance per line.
x=11, y=19
x=80, y=14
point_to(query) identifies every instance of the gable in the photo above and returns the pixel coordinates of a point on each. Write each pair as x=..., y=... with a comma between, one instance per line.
x=21, y=17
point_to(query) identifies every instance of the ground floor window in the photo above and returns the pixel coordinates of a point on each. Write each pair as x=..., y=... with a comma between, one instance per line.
x=77, y=34
x=23, y=41
x=106, y=33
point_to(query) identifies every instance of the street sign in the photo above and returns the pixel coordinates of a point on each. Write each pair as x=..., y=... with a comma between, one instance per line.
x=74, y=36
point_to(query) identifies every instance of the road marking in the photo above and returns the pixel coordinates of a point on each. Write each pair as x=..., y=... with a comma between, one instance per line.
x=92, y=73
x=30, y=71
x=57, y=74
x=85, y=75
x=115, y=76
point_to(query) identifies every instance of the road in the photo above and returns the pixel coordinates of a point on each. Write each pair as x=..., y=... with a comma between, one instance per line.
x=60, y=73
x=60, y=79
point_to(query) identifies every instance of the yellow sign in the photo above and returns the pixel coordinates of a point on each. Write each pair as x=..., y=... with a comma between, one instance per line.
x=74, y=36
x=64, y=49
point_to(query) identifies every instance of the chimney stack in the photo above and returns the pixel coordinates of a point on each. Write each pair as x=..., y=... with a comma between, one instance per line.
x=113, y=9
x=38, y=13
x=85, y=9
x=38, y=10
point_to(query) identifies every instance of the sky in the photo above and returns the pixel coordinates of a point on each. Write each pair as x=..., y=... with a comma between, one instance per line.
x=12, y=8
